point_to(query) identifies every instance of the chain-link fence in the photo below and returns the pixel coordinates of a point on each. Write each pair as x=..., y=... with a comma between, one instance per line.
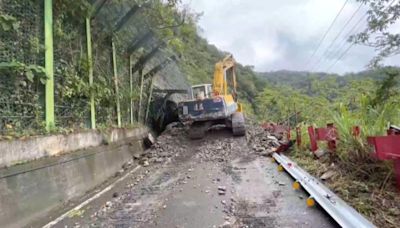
x=120, y=42
x=21, y=41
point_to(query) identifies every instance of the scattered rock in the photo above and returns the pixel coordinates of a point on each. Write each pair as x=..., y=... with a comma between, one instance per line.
x=221, y=190
x=137, y=155
x=327, y=175
x=119, y=173
x=280, y=183
x=320, y=152
x=149, y=140
x=226, y=224
x=115, y=195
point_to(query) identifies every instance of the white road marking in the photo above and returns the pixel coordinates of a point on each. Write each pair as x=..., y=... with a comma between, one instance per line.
x=86, y=202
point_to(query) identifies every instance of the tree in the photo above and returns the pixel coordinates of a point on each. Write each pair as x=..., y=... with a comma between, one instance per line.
x=381, y=15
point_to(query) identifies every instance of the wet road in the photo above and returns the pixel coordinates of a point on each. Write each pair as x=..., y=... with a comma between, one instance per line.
x=183, y=192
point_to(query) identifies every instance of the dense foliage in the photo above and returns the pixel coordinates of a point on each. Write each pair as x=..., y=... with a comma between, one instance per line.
x=361, y=99
x=198, y=61
x=382, y=15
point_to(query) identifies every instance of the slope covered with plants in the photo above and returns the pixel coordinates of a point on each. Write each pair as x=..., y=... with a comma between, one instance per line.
x=370, y=100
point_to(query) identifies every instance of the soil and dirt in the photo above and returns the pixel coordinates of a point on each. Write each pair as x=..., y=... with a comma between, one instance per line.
x=218, y=181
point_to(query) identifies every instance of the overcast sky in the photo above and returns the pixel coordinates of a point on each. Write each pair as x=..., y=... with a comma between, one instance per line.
x=274, y=35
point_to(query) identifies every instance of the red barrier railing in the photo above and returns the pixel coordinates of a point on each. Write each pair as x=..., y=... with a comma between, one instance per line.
x=385, y=147
x=356, y=131
x=388, y=148
x=328, y=134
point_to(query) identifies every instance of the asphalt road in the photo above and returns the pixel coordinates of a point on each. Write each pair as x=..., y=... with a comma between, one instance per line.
x=183, y=191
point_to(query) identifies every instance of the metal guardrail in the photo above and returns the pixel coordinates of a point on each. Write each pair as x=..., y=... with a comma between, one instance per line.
x=340, y=211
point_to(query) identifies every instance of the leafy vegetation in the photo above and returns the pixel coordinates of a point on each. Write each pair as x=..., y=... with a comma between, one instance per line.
x=368, y=99
x=22, y=52
x=198, y=61
x=354, y=99
x=382, y=15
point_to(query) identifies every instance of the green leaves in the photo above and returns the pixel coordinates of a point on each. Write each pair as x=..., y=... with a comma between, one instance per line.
x=30, y=76
x=379, y=33
x=77, y=9
x=30, y=71
x=8, y=23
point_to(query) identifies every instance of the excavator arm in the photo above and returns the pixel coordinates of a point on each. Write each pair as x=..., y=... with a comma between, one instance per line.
x=220, y=107
x=223, y=70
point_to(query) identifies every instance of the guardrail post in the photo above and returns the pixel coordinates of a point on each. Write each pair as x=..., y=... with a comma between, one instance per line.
x=313, y=139
x=49, y=64
x=397, y=172
x=114, y=60
x=356, y=131
x=298, y=136
x=90, y=72
x=331, y=136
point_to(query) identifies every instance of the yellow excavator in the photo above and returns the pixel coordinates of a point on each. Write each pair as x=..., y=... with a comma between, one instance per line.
x=214, y=104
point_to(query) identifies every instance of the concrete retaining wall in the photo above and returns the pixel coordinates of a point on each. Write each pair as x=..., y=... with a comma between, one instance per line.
x=21, y=151
x=29, y=191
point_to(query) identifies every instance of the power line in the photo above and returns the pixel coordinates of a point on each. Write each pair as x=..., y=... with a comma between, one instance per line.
x=352, y=44
x=326, y=33
x=345, y=38
x=338, y=35
x=343, y=54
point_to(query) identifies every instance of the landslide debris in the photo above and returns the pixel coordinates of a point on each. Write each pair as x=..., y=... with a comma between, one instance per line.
x=266, y=143
x=174, y=141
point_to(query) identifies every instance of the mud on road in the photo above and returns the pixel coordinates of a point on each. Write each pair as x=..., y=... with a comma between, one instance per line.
x=219, y=181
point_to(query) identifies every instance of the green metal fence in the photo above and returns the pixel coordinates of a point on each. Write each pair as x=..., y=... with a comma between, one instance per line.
x=67, y=68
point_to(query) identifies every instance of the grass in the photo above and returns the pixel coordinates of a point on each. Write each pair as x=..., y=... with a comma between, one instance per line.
x=373, y=195
x=365, y=183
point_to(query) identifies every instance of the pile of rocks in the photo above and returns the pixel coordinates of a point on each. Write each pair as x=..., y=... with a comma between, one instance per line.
x=216, y=150
x=264, y=142
x=164, y=148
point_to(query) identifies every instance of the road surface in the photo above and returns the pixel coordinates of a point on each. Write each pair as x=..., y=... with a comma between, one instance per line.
x=215, y=182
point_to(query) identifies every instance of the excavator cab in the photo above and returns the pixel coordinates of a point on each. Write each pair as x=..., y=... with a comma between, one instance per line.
x=214, y=104
x=200, y=92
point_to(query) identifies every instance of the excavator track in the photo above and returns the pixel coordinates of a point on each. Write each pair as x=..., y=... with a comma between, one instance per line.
x=238, y=124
